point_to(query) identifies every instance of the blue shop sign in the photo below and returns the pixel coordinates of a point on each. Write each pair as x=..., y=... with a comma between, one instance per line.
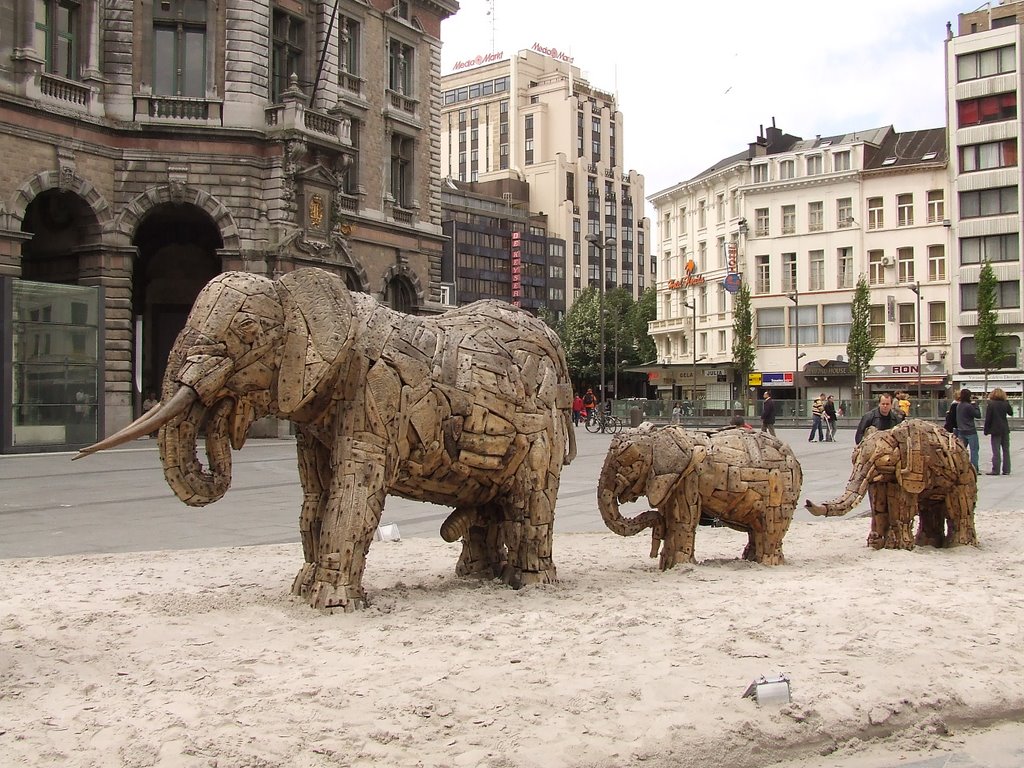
x=779, y=379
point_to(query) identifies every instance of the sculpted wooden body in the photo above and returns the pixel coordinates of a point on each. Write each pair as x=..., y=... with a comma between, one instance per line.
x=914, y=469
x=470, y=409
x=749, y=481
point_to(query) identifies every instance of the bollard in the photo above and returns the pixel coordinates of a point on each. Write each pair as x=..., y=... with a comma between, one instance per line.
x=634, y=416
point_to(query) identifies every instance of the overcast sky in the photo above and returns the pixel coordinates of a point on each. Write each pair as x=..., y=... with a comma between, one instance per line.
x=695, y=80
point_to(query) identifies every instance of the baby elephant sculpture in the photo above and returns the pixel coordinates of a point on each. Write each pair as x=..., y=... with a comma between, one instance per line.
x=469, y=409
x=749, y=481
x=915, y=468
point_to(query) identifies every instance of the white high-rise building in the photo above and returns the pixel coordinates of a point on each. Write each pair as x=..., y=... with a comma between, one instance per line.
x=533, y=116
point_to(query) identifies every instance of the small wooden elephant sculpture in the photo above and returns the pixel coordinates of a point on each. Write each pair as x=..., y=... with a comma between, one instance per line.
x=749, y=481
x=470, y=409
x=915, y=468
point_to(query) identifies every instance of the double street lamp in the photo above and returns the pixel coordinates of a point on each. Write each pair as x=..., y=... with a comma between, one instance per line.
x=692, y=306
x=916, y=288
x=600, y=244
x=795, y=298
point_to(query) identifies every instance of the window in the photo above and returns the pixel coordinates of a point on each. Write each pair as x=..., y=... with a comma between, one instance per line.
x=814, y=165
x=836, y=320
x=988, y=202
x=788, y=219
x=876, y=218
x=721, y=302
x=936, y=206
x=666, y=226
x=905, y=264
x=762, y=269
x=975, y=250
x=179, y=49
x=815, y=216
x=936, y=262
x=402, y=148
x=876, y=270
x=720, y=208
x=995, y=61
x=761, y=173
x=56, y=36
x=721, y=254
x=787, y=169
x=907, y=323
x=844, y=268
x=683, y=229
x=936, y=321
x=702, y=215
x=349, y=40
x=761, y=222
x=400, y=67
x=771, y=331
x=876, y=323
x=808, y=324
x=987, y=109
x=722, y=342
x=993, y=154
x=788, y=272
x=288, y=55
x=844, y=212
x=1007, y=295
x=702, y=255
x=904, y=210
x=816, y=260
x=1011, y=347
x=841, y=161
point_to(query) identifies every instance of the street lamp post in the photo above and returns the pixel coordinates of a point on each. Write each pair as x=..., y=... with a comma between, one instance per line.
x=916, y=288
x=795, y=298
x=693, y=344
x=596, y=241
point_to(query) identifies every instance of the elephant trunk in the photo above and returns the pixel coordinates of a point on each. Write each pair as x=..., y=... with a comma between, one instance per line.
x=611, y=484
x=189, y=480
x=855, y=489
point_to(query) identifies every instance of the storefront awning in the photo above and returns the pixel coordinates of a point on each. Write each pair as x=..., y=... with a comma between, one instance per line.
x=979, y=386
x=903, y=381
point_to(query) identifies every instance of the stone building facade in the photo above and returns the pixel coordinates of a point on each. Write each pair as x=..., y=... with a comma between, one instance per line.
x=147, y=146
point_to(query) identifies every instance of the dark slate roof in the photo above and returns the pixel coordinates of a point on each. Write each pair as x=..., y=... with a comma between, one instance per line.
x=910, y=148
x=739, y=157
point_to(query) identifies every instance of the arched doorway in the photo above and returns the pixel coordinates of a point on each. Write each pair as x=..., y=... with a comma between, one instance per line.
x=61, y=224
x=400, y=295
x=177, y=246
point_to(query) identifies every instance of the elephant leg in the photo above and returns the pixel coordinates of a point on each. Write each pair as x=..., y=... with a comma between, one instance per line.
x=681, y=514
x=960, y=517
x=930, y=523
x=314, y=463
x=483, y=550
x=764, y=540
x=350, y=519
x=902, y=508
x=879, y=517
x=530, y=518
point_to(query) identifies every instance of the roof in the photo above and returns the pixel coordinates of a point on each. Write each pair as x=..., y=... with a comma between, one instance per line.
x=910, y=148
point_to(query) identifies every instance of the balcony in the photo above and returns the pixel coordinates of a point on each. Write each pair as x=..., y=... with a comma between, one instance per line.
x=178, y=109
x=401, y=102
x=62, y=89
x=293, y=115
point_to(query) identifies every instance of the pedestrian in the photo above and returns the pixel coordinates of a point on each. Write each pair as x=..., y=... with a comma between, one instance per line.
x=677, y=412
x=589, y=403
x=768, y=414
x=903, y=401
x=830, y=419
x=950, y=425
x=997, y=427
x=882, y=416
x=966, y=412
x=148, y=405
x=817, y=412
x=577, y=409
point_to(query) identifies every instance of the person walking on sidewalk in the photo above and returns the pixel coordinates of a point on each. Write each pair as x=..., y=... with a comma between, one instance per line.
x=997, y=427
x=966, y=412
x=577, y=409
x=830, y=419
x=817, y=412
x=768, y=414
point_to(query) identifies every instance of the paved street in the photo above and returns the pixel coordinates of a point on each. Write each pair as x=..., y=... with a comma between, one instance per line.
x=118, y=501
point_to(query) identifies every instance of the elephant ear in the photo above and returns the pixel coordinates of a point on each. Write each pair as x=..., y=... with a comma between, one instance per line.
x=319, y=326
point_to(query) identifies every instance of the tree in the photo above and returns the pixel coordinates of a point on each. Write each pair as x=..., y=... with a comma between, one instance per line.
x=988, y=344
x=645, y=311
x=860, y=348
x=581, y=338
x=744, y=352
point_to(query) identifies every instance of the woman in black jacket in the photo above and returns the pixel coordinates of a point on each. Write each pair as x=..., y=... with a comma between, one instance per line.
x=997, y=426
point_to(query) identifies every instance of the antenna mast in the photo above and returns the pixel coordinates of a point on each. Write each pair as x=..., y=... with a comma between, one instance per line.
x=490, y=12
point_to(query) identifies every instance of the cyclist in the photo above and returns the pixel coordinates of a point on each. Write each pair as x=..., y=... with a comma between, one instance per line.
x=589, y=403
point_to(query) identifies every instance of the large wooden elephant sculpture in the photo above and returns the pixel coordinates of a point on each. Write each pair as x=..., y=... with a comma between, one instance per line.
x=750, y=481
x=469, y=409
x=914, y=469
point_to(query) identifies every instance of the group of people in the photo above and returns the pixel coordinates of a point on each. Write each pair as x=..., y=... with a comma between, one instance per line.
x=823, y=419
x=961, y=420
x=583, y=406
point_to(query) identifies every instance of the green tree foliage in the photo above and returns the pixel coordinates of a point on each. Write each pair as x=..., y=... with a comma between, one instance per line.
x=744, y=351
x=645, y=311
x=860, y=348
x=581, y=339
x=988, y=344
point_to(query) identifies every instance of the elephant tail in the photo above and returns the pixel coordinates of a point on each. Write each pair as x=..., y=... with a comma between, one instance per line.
x=570, y=445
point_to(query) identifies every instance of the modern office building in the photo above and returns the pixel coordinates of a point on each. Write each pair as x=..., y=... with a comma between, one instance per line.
x=149, y=146
x=533, y=117
x=983, y=64
x=798, y=220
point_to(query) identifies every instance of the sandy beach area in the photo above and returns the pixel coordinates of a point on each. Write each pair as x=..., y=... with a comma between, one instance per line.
x=202, y=658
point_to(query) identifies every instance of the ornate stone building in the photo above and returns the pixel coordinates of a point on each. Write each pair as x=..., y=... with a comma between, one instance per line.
x=147, y=146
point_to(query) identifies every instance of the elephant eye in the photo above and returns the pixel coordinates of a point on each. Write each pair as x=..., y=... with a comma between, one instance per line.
x=247, y=329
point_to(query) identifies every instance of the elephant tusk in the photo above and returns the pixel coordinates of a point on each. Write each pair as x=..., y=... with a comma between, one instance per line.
x=146, y=423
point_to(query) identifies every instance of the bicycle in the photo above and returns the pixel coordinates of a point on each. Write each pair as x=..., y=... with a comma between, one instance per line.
x=598, y=422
